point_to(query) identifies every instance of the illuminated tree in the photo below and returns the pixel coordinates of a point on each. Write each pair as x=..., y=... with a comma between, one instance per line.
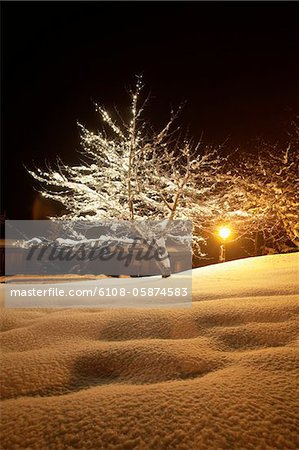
x=265, y=192
x=129, y=172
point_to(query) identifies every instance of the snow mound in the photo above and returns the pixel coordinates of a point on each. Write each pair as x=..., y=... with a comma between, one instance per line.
x=263, y=275
x=222, y=374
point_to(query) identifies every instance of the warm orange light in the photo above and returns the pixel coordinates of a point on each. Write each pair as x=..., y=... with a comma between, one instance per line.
x=224, y=232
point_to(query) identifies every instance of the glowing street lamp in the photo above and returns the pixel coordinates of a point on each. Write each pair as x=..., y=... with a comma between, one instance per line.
x=224, y=233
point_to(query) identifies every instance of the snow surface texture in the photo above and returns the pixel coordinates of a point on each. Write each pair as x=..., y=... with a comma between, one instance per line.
x=223, y=374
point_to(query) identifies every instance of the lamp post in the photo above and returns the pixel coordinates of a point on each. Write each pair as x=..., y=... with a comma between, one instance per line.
x=224, y=232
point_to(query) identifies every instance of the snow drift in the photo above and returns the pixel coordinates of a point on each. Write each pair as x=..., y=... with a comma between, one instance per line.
x=223, y=374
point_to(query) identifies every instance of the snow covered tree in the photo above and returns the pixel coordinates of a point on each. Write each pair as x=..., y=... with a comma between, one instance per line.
x=130, y=172
x=264, y=193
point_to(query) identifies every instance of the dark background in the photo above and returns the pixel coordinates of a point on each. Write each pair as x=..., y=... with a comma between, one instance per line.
x=236, y=64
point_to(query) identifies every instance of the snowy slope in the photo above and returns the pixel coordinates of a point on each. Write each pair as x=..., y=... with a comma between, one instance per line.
x=263, y=275
x=223, y=374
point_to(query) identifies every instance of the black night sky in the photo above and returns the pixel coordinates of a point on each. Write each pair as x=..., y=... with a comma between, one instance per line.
x=236, y=65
